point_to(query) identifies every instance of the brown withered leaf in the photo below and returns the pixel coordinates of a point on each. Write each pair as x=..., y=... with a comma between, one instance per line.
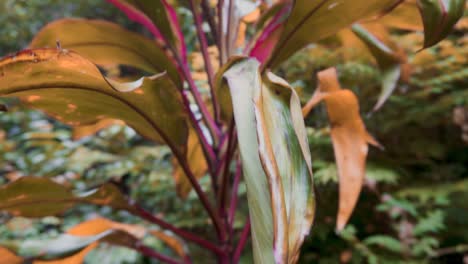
x=349, y=137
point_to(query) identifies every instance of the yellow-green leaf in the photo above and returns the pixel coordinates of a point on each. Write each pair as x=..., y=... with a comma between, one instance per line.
x=107, y=43
x=71, y=89
x=276, y=161
x=311, y=21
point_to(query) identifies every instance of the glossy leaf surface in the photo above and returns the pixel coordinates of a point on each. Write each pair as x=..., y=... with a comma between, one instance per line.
x=71, y=89
x=439, y=17
x=311, y=21
x=38, y=197
x=276, y=161
x=107, y=43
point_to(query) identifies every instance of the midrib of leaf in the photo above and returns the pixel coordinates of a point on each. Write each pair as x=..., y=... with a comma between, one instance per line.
x=175, y=150
x=296, y=28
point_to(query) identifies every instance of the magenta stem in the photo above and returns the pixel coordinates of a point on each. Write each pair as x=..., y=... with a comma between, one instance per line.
x=147, y=251
x=206, y=56
x=182, y=233
x=242, y=241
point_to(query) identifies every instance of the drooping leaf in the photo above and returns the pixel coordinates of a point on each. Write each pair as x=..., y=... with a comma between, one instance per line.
x=439, y=17
x=38, y=197
x=107, y=43
x=349, y=137
x=276, y=161
x=72, y=90
x=388, y=58
x=159, y=17
x=197, y=162
x=313, y=21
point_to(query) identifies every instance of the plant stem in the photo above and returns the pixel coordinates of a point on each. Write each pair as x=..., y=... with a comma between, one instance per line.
x=213, y=128
x=182, y=233
x=207, y=13
x=234, y=194
x=207, y=149
x=242, y=241
x=147, y=251
x=225, y=176
x=206, y=56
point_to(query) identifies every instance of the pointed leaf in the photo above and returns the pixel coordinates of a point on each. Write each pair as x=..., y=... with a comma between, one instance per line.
x=38, y=197
x=159, y=17
x=349, y=137
x=388, y=59
x=313, y=21
x=107, y=43
x=276, y=161
x=72, y=90
x=439, y=17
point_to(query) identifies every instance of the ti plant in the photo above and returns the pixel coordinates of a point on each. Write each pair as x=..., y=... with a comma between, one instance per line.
x=238, y=121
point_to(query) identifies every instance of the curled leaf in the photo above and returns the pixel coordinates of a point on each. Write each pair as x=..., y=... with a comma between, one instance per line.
x=71, y=89
x=276, y=161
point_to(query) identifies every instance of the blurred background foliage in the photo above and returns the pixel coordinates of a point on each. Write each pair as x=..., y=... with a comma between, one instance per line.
x=413, y=208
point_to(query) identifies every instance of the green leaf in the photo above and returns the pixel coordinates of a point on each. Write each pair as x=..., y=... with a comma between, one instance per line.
x=388, y=60
x=71, y=89
x=313, y=21
x=386, y=242
x=439, y=17
x=432, y=222
x=39, y=197
x=276, y=161
x=107, y=43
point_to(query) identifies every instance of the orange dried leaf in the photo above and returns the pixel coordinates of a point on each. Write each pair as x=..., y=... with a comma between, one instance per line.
x=349, y=137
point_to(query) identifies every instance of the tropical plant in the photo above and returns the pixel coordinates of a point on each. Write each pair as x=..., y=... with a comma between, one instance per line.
x=241, y=122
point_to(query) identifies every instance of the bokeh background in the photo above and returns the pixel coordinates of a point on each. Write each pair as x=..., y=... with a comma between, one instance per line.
x=414, y=205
